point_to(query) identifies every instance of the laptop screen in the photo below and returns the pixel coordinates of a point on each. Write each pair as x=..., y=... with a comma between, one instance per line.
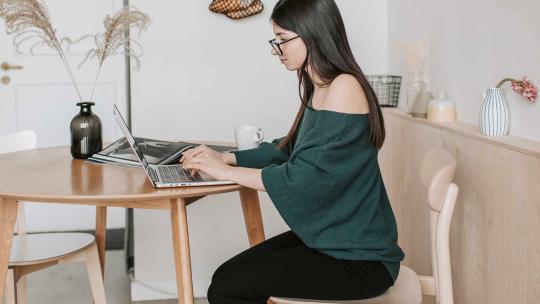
x=129, y=137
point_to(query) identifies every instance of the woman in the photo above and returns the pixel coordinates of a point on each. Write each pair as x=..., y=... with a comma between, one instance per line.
x=323, y=177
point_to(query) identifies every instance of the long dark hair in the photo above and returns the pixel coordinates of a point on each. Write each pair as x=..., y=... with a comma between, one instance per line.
x=320, y=25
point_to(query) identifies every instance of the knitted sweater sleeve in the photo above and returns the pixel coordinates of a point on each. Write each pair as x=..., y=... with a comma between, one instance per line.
x=324, y=161
x=266, y=154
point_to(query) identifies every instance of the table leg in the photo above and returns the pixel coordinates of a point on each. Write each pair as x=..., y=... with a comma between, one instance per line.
x=101, y=235
x=252, y=215
x=182, y=258
x=8, y=217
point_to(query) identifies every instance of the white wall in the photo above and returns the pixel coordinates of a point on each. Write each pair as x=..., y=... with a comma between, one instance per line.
x=473, y=45
x=205, y=70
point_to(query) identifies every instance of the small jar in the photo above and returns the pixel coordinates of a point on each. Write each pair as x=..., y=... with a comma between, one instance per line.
x=441, y=109
x=85, y=132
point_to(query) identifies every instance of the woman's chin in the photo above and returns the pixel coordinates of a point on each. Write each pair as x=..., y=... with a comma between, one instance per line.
x=290, y=68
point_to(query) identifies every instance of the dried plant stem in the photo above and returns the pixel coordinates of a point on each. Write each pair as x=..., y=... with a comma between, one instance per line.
x=70, y=72
x=95, y=82
x=503, y=81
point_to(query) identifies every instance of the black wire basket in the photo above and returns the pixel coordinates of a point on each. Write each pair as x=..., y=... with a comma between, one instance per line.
x=386, y=88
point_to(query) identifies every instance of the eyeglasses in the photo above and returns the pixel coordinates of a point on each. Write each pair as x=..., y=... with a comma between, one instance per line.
x=276, y=45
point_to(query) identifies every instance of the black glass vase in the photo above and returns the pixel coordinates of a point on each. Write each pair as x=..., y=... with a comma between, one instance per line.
x=85, y=129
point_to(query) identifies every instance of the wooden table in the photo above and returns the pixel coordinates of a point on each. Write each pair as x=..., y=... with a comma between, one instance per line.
x=51, y=175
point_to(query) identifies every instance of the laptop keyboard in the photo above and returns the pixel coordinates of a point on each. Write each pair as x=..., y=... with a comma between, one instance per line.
x=173, y=174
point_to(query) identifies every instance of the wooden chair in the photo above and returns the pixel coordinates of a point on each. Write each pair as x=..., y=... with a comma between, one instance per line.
x=437, y=172
x=33, y=252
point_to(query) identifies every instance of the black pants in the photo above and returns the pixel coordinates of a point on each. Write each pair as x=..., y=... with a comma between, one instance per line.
x=283, y=266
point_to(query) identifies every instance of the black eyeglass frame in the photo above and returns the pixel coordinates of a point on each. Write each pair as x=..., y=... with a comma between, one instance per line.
x=275, y=44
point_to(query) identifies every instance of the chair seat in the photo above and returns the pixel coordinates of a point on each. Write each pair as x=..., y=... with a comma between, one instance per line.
x=406, y=290
x=44, y=247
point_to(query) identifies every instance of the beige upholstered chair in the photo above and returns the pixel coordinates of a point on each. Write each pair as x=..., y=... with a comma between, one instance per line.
x=33, y=252
x=437, y=172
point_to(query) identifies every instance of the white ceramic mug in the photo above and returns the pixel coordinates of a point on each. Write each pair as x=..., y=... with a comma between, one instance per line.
x=248, y=137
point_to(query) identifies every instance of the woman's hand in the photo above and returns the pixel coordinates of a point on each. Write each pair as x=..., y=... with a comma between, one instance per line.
x=221, y=166
x=205, y=159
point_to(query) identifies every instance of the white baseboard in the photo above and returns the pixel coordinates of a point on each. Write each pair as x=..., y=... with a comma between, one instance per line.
x=150, y=290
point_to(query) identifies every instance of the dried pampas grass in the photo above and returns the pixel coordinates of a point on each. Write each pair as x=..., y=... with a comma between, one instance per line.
x=116, y=39
x=415, y=54
x=28, y=22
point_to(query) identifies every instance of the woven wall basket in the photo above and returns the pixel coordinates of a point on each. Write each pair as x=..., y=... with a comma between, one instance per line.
x=236, y=9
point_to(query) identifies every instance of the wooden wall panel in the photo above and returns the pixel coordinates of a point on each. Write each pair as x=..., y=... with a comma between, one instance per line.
x=495, y=235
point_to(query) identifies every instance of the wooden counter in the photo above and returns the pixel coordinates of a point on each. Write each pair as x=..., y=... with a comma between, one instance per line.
x=495, y=243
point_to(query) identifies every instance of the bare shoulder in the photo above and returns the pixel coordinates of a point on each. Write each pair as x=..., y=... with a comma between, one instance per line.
x=345, y=94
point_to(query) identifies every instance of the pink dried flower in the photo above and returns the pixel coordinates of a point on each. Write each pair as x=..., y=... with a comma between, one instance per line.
x=524, y=87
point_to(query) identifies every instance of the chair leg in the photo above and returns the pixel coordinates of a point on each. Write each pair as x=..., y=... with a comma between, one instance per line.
x=15, y=287
x=93, y=267
x=10, y=288
x=8, y=217
x=21, y=289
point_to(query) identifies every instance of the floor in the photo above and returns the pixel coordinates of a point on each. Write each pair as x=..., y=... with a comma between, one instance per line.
x=68, y=284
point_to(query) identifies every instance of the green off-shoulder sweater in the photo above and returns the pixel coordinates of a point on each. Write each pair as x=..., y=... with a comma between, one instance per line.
x=328, y=188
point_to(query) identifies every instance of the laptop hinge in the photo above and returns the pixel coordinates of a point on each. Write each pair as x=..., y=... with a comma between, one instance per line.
x=153, y=174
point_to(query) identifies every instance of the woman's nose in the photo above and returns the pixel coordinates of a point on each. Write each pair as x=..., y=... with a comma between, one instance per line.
x=273, y=52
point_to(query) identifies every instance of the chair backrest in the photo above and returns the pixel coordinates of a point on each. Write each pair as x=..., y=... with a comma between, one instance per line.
x=14, y=142
x=437, y=171
x=19, y=141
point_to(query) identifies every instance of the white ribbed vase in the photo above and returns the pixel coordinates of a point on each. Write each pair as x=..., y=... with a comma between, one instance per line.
x=494, y=114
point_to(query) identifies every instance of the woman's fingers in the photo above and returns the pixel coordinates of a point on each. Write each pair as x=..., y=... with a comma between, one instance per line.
x=189, y=154
x=193, y=166
x=193, y=156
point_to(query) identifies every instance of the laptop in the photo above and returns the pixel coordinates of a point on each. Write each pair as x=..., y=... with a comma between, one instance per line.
x=165, y=176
